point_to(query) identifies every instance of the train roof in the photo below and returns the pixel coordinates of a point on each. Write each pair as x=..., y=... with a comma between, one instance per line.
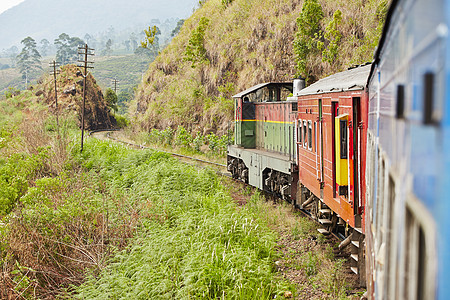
x=287, y=85
x=350, y=80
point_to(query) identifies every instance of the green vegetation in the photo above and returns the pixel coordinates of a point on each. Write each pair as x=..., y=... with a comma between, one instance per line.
x=67, y=48
x=126, y=69
x=170, y=229
x=195, y=51
x=112, y=222
x=306, y=44
x=111, y=99
x=210, y=144
x=195, y=243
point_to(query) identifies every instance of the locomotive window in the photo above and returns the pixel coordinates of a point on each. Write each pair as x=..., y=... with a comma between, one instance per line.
x=305, y=132
x=294, y=106
x=343, y=130
x=309, y=135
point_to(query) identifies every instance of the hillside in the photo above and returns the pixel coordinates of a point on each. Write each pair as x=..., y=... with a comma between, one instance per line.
x=228, y=46
x=70, y=98
x=49, y=18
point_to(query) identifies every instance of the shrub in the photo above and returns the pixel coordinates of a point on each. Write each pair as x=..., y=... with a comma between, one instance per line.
x=122, y=122
x=166, y=136
x=183, y=138
x=195, y=51
x=198, y=141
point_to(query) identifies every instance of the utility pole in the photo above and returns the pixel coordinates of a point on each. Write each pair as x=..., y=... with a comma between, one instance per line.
x=55, y=64
x=115, y=81
x=86, y=51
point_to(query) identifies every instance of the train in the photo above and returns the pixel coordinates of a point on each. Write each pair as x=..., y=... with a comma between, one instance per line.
x=366, y=152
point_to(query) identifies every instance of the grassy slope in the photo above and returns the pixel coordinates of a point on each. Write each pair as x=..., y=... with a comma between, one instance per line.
x=246, y=43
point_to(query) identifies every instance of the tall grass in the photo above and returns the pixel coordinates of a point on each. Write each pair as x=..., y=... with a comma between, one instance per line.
x=193, y=242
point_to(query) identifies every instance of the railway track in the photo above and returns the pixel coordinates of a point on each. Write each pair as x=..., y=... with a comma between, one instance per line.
x=220, y=168
x=202, y=164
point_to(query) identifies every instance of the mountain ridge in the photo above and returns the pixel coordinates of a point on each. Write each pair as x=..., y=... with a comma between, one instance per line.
x=49, y=18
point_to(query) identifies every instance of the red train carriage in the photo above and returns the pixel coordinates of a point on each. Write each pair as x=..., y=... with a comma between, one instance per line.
x=331, y=142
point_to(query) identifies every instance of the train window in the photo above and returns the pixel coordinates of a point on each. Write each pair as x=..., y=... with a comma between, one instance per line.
x=419, y=265
x=315, y=137
x=428, y=98
x=309, y=135
x=305, y=132
x=400, y=109
x=343, y=130
x=299, y=131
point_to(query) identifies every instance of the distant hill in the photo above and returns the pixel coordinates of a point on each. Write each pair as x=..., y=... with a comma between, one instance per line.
x=49, y=18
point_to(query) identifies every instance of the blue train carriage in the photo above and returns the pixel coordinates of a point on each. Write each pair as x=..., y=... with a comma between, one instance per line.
x=408, y=169
x=264, y=153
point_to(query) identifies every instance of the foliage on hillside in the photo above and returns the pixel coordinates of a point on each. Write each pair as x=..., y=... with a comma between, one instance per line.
x=228, y=46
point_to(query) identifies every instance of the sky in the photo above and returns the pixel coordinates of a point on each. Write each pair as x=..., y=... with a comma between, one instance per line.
x=6, y=4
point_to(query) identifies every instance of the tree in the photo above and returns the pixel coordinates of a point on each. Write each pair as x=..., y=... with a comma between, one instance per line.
x=151, y=40
x=306, y=43
x=29, y=59
x=133, y=41
x=89, y=39
x=111, y=99
x=107, y=51
x=11, y=53
x=177, y=28
x=67, y=48
x=124, y=97
x=45, y=47
x=195, y=51
x=333, y=37
x=127, y=45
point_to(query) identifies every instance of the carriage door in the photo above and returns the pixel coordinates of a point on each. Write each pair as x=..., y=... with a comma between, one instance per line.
x=334, y=113
x=356, y=132
x=322, y=180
